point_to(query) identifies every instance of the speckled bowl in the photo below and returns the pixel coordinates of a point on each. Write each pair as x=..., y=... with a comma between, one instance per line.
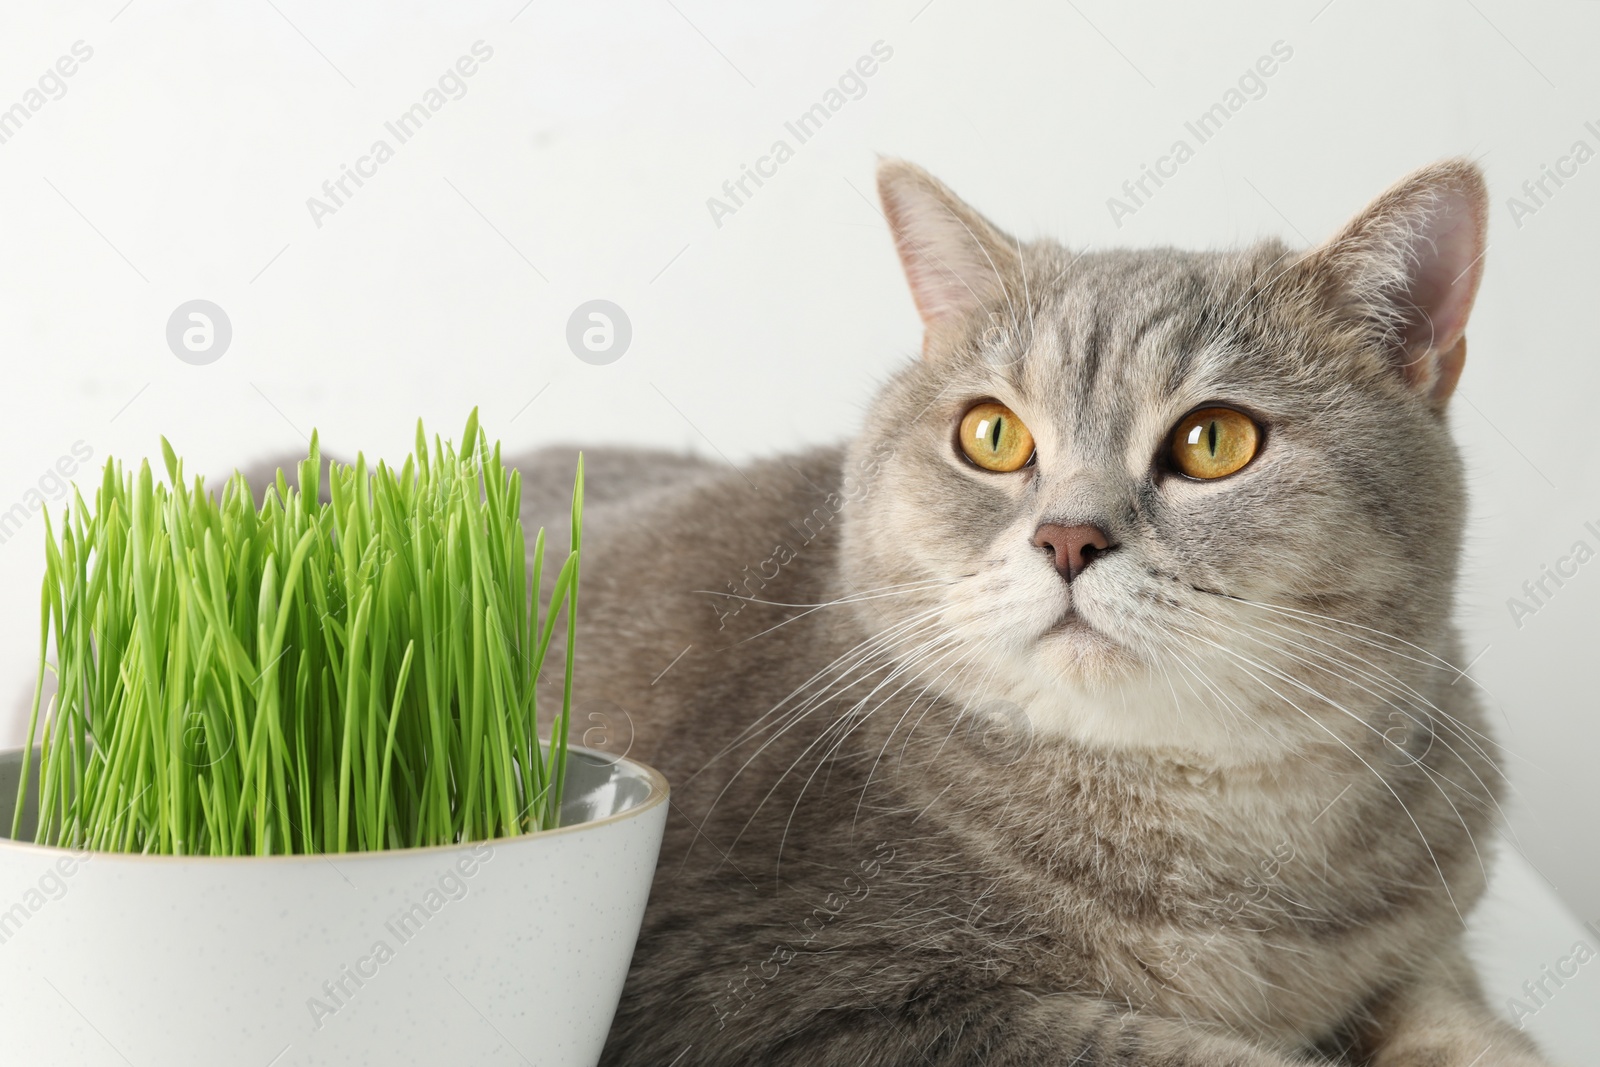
x=511, y=951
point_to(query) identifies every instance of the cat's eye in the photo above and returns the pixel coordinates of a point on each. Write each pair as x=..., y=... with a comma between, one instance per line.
x=994, y=438
x=1214, y=442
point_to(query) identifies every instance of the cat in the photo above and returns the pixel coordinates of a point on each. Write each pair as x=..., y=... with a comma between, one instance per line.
x=1095, y=704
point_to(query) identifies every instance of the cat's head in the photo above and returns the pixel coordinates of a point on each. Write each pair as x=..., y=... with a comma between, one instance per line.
x=1175, y=499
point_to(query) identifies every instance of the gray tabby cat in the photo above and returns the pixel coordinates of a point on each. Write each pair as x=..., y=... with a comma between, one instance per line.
x=1094, y=705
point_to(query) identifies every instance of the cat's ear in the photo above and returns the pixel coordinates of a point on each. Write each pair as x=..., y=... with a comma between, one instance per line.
x=955, y=259
x=1409, y=265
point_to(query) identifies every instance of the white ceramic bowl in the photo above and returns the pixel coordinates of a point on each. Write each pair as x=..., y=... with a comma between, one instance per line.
x=511, y=951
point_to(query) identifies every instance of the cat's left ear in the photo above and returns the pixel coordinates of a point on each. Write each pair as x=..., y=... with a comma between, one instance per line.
x=1410, y=265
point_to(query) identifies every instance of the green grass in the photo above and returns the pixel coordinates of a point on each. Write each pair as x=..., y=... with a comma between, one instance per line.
x=301, y=677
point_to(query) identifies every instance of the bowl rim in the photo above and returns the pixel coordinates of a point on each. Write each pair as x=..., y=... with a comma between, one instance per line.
x=660, y=793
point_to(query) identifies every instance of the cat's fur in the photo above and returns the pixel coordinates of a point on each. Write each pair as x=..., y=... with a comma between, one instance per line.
x=1232, y=812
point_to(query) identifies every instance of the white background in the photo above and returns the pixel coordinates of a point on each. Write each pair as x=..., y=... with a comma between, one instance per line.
x=578, y=164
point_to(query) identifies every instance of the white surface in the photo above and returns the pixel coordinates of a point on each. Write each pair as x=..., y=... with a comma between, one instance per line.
x=1519, y=931
x=578, y=165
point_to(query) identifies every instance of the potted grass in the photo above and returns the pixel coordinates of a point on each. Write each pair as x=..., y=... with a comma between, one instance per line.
x=289, y=803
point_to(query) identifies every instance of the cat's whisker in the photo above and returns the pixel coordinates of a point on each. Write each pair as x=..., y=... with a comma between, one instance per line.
x=1293, y=650
x=1436, y=717
x=862, y=650
x=822, y=736
x=1426, y=844
x=1441, y=728
x=1166, y=675
x=934, y=650
x=1433, y=660
x=834, y=687
x=863, y=666
x=904, y=589
x=1433, y=773
x=1331, y=624
x=1182, y=662
x=1483, y=797
x=1432, y=716
x=983, y=646
x=1233, y=705
x=854, y=597
x=938, y=650
x=961, y=666
x=889, y=738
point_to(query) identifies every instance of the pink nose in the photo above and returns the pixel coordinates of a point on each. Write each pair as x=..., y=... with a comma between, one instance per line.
x=1071, y=548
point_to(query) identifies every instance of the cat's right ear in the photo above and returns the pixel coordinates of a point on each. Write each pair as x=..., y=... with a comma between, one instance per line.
x=1408, y=268
x=955, y=260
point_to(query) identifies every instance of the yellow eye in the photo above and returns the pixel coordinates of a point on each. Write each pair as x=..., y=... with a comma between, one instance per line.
x=994, y=438
x=1214, y=442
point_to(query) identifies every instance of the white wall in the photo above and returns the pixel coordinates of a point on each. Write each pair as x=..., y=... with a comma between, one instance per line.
x=578, y=164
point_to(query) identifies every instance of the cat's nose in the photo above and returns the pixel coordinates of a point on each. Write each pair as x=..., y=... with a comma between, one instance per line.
x=1071, y=548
